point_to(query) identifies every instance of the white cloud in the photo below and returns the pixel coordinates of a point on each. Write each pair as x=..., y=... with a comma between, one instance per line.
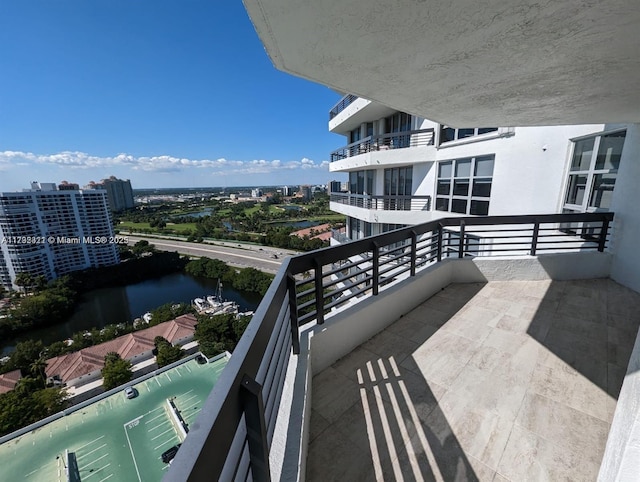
x=82, y=160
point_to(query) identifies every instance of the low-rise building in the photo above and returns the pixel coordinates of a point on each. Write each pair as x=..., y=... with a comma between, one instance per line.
x=84, y=366
x=8, y=381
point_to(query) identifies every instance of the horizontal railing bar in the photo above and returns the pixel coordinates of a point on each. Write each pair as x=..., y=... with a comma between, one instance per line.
x=344, y=299
x=307, y=304
x=306, y=317
x=350, y=285
x=342, y=280
x=302, y=294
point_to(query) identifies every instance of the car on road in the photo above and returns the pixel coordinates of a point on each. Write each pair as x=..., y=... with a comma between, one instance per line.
x=130, y=392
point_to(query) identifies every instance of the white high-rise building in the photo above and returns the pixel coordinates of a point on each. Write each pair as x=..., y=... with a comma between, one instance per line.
x=406, y=170
x=50, y=232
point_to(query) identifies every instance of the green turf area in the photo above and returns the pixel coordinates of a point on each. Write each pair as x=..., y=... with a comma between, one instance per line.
x=114, y=439
x=177, y=228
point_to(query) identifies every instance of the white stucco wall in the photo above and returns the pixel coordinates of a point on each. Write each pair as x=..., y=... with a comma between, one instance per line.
x=530, y=167
x=625, y=204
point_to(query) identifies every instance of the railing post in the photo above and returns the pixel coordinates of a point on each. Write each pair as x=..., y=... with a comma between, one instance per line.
x=414, y=243
x=319, y=292
x=293, y=313
x=251, y=394
x=461, y=246
x=439, y=251
x=603, y=235
x=376, y=269
x=534, y=238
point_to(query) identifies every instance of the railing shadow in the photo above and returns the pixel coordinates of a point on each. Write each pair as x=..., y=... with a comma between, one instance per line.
x=375, y=416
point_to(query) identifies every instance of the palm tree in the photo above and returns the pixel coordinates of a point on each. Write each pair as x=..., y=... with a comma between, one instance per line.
x=25, y=280
x=37, y=368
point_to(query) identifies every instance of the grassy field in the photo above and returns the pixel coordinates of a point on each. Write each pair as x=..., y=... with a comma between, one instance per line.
x=176, y=228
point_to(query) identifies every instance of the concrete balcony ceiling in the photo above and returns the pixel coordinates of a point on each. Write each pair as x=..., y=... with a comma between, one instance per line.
x=466, y=63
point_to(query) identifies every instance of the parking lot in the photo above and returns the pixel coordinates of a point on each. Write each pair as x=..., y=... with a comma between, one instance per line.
x=114, y=438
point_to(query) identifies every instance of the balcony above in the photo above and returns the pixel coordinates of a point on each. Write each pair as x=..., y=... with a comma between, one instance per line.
x=341, y=105
x=399, y=148
x=383, y=203
x=351, y=111
x=383, y=209
x=469, y=63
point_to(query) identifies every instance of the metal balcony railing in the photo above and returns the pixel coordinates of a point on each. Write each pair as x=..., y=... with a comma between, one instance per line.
x=342, y=105
x=238, y=420
x=383, y=203
x=383, y=142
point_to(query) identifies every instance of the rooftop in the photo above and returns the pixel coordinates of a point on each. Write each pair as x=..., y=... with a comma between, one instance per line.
x=512, y=380
x=73, y=365
x=114, y=438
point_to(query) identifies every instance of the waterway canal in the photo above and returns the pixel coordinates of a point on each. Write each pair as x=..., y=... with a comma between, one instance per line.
x=124, y=303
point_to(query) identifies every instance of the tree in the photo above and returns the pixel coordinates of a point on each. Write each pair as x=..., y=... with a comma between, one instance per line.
x=24, y=280
x=37, y=369
x=24, y=355
x=116, y=371
x=167, y=353
x=218, y=333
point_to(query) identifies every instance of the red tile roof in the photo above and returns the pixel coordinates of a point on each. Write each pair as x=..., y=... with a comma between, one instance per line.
x=324, y=229
x=87, y=360
x=9, y=380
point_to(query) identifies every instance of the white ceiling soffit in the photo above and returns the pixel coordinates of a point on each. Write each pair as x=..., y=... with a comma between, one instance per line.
x=466, y=62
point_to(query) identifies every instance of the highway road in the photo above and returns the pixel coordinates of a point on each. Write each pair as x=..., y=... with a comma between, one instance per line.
x=240, y=255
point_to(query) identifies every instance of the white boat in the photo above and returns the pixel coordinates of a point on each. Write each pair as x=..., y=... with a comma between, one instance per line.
x=216, y=304
x=147, y=317
x=200, y=304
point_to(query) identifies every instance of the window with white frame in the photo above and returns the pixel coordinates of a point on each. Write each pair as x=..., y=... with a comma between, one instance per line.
x=593, y=171
x=453, y=133
x=464, y=185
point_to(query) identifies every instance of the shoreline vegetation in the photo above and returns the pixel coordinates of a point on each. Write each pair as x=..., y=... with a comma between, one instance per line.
x=31, y=399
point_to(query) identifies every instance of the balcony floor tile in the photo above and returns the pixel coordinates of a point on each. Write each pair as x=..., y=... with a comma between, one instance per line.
x=504, y=381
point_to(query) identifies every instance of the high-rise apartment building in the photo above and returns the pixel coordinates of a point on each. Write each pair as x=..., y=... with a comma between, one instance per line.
x=50, y=232
x=119, y=192
x=406, y=170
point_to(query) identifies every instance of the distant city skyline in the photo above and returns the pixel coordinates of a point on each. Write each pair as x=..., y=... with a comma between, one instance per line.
x=163, y=94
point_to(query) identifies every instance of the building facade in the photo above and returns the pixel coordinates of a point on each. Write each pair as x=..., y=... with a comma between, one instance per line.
x=119, y=193
x=49, y=232
x=406, y=170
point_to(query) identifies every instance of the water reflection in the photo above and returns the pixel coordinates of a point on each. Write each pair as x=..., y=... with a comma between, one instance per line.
x=124, y=303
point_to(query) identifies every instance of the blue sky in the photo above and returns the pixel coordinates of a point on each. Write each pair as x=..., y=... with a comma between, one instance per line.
x=165, y=93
